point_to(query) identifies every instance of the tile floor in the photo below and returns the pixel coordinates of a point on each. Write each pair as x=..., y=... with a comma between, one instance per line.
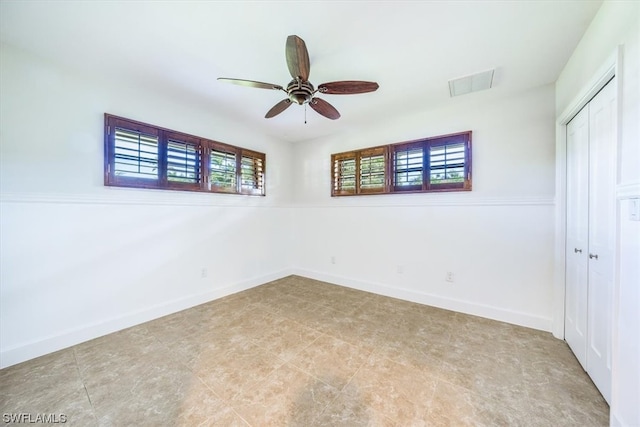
x=298, y=352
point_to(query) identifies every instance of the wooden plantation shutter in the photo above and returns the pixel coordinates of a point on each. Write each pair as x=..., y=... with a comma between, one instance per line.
x=372, y=170
x=183, y=161
x=146, y=156
x=223, y=169
x=344, y=174
x=252, y=173
x=441, y=163
x=360, y=172
x=135, y=154
x=449, y=162
x=408, y=167
x=131, y=154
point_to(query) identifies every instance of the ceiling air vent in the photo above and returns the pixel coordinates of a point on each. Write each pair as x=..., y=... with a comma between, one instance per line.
x=472, y=83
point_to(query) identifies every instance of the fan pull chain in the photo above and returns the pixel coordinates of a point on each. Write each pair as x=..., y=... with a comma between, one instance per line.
x=305, y=114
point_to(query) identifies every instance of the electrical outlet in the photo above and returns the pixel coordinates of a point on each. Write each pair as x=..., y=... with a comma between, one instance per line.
x=333, y=259
x=399, y=269
x=203, y=273
x=449, y=277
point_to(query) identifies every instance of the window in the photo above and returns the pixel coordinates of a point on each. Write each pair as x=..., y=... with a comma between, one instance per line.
x=251, y=172
x=145, y=156
x=344, y=174
x=135, y=154
x=433, y=164
x=447, y=163
x=359, y=172
x=223, y=164
x=408, y=167
x=371, y=176
x=183, y=161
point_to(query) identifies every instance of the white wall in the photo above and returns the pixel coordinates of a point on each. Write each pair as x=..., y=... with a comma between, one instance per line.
x=618, y=24
x=497, y=239
x=79, y=259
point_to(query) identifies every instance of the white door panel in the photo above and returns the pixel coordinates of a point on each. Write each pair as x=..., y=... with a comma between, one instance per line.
x=590, y=239
x=602, y=204
x=577, y=234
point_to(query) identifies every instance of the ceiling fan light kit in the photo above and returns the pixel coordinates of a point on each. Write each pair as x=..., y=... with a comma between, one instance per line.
x=300, y=90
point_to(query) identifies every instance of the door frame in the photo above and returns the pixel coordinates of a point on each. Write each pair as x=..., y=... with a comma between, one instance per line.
x=611, y=68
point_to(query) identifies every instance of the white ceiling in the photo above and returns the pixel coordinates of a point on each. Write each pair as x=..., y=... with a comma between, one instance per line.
x=411, y=48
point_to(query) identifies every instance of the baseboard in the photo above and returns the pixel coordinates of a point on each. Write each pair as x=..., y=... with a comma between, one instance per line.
x=614, y=421
x=70, y=337
x=467, y=307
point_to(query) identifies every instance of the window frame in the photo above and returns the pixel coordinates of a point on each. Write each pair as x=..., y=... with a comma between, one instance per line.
x=203, y=148
x=357, y=156
x=408, y=146
x=109, y=151
x=337, y=160
x=450, y=140
x=259, y=176
x=369, y=153
x=391, y=170
x=225, y=149
x=187, y=140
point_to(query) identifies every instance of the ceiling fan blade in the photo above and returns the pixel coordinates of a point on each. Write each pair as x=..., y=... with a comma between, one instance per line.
x=322, y=107
x=251, y=83
x=347, y=87
x=278, y=108
x=297, y=58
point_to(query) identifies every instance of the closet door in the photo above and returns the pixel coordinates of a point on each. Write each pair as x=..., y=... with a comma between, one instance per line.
x=577, y=246
x=590, y=243
x=602, y=223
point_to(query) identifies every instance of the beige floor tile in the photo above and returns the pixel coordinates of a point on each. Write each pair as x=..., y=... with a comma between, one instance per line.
x=353, y=407
x=332, y=360
x=200, y=406
x=456, y=406
x=286, y=339
x=287, y=397
x=300, y=352
x=139, y=382
x=288, y=306
x=236, y=371
x=49, y=385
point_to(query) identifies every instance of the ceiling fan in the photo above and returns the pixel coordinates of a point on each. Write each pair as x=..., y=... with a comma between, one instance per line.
x=300, y=90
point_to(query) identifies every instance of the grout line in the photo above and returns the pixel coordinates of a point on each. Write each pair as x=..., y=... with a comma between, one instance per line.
x=346, y=384
x=226, y=401
x=93, y=409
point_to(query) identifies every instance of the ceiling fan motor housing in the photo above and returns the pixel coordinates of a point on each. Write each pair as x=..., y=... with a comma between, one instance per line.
x=300, y=91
